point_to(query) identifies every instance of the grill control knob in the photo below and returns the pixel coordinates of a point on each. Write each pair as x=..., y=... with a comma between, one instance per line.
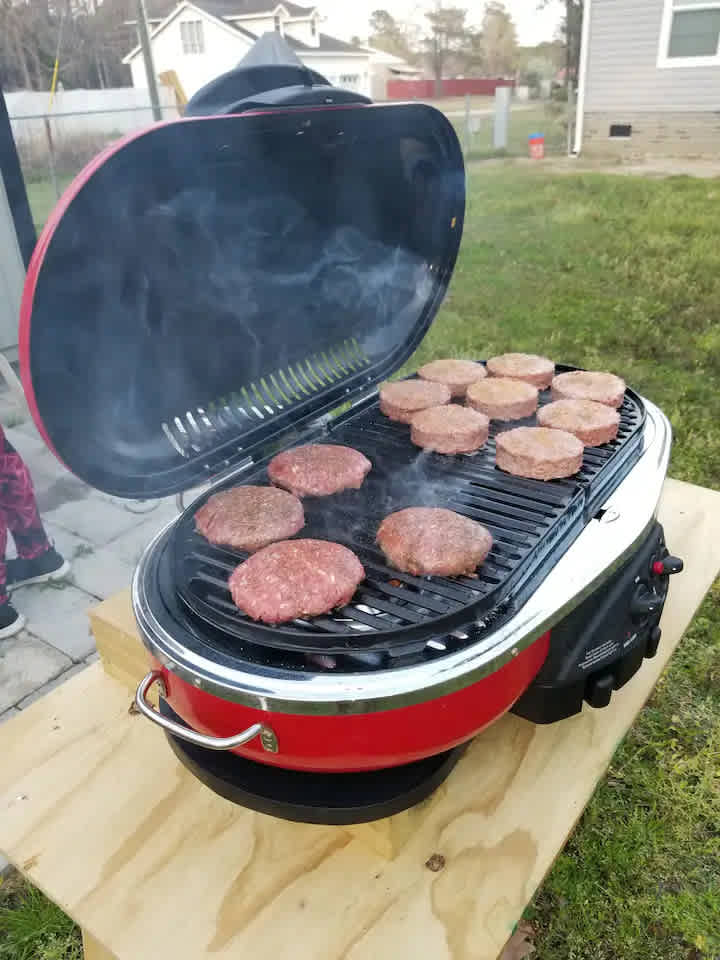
x=653, y=642
x=644, y=604
x=599, y=690
x=667, y=566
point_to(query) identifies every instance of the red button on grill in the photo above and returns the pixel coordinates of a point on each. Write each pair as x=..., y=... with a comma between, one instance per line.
x=667, y=566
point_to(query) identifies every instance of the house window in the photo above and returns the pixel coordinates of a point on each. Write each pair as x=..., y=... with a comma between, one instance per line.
x=277, y=22
x=690, y=33
x=191, y=33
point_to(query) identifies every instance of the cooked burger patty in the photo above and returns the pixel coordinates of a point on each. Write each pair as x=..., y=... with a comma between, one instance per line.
x=319, y=469
x=457, y=375
x=538, y=453
x=402, y=399
x=592, y=423
x=248, y=518
x=503, y=399
x=589, y=385
x=529, y=367
x=434, y=541
x=449, y=429
x=295, y=578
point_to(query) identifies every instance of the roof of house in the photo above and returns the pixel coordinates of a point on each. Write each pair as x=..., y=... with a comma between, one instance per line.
x=246, y=8
x=179, y=8
x=326, y=43
x=159, y=9
x=382, y=56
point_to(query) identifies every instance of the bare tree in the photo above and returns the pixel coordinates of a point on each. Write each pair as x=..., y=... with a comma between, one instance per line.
x=392, y=36
x=94, y=40
x=499, y=39
x=570, y=36
x=571, y=32
x=447, y=40
x=14, y=67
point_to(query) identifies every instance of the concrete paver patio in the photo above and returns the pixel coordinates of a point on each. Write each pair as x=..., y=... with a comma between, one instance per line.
x=102, y=537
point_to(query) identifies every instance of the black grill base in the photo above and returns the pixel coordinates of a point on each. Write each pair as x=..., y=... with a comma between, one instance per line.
x=323, y=798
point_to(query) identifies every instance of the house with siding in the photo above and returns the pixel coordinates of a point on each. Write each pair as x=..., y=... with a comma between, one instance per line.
x=649, y=79
x=199, y=41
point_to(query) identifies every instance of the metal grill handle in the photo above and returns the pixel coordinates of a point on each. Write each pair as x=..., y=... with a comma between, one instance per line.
x=267, y=735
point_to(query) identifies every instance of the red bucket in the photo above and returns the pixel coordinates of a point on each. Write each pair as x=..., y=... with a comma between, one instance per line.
x=536, y=144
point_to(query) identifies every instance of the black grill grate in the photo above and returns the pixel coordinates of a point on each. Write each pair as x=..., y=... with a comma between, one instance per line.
x=394, y=617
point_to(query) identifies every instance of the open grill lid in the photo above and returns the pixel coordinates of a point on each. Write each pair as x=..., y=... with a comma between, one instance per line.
x=208, y=284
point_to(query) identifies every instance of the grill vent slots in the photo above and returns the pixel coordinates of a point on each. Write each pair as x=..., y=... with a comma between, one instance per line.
x=195, y=431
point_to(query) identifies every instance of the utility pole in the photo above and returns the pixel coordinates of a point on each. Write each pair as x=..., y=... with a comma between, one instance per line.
x=437, y=51
x=144, y=32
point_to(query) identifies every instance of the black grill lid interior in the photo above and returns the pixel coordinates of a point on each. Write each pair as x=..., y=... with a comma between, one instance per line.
x=215, y=281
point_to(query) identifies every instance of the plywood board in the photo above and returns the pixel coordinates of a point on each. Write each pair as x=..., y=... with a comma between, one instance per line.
x=92, y=950
x=116, y=637
x=96, y=810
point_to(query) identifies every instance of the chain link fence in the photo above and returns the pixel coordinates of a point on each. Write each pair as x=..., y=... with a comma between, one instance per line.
x=54, y=147
x=483, y=137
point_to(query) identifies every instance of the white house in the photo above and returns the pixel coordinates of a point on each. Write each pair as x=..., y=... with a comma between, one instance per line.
x=199, y=41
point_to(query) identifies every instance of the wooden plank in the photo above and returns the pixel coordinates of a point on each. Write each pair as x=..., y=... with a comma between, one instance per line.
x=98, y=813
x=121, y=651
x=93, y=950
x=125, y=659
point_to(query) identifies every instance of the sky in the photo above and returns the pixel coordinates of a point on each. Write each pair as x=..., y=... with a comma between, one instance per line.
x=347, y=17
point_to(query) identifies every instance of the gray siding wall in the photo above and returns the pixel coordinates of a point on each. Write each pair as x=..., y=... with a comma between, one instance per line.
x=622, y=72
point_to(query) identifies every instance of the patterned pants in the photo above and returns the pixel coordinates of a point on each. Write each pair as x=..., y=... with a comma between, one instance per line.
x=18, y=510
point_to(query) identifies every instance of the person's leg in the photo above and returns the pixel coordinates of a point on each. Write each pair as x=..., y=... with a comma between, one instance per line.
x=3, y=548
x=10, y=620
x=37, y=559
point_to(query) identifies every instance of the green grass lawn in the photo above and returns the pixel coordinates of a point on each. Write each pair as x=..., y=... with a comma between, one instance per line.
x=620, y=273
x=33, y=928
x=623, y=274
x=42, y=198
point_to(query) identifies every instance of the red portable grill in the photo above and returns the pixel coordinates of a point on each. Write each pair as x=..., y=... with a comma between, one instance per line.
x=216, y=289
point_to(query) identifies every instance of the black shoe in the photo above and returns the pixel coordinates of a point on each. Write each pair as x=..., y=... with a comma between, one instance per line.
x=48, y=566
x=11, y=622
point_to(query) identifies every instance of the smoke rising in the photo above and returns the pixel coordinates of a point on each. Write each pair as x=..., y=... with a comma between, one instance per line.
x=185, y=271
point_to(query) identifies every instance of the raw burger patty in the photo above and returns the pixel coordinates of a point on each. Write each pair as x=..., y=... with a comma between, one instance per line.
x=457, y=375
x=538, y=453
x=449, y=429
x=529, y=367
x=431, y=540
x=403, y=399
x=319, y=469
x=592, y=423
x=589, y=385
x=248, y=518
x=502, y=399
x=295, y=578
